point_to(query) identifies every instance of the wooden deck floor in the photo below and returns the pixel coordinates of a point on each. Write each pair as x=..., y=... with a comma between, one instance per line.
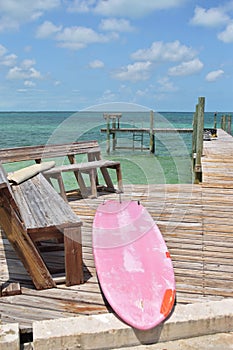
x=217, y=163
x=195, y=220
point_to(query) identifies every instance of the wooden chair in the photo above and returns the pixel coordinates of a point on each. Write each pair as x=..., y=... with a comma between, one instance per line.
x=33, y=212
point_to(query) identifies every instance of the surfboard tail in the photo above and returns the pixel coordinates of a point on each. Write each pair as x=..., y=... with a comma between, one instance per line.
x=168, y=302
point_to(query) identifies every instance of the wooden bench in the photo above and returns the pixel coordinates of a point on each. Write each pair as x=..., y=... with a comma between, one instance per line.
x=33, y=213
x=92, y=162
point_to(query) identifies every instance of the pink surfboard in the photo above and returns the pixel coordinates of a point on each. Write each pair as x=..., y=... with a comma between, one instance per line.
x=133, y=264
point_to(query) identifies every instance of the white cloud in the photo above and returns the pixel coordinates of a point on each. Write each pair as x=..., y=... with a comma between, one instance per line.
x=76, y=38
x=47, y=29
x=28, y=63
x=81, y=6
x=8, y=60
x=126, y=8
x=108, y=96
x=166, y=85
x=96, y=64
x=160, y=51
x=7, y=23
x=186, y=68
x=133, y=8
x=57, y=83
x=134, y=72
x=29, y=83
x=116, y=25
x=23, y=73
x=214, y=75
x=3, y=50
x=142, y=93
x=212, y=17
x=22, y=90
x=15, y=13
x=227, y=35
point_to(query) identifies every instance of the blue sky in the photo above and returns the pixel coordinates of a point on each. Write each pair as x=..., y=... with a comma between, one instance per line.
x=72, y=54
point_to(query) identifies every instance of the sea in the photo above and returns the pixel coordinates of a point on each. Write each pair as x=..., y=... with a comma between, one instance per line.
x=171, y=163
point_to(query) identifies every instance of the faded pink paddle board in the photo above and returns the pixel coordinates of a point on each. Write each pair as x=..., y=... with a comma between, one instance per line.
x=133, y=263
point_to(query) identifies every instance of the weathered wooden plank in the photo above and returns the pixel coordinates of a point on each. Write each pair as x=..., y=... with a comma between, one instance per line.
x=37, y=211
x=69, y=294
x=55, y=306
x=8, y=155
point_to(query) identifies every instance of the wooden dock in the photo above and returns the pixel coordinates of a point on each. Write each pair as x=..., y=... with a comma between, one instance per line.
x=147, y=130
x=113, y=129
x=217, y=163
x=195, y=220
x=138, y=137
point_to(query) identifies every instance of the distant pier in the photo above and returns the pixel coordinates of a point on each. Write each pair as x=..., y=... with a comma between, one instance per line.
x=113, y=128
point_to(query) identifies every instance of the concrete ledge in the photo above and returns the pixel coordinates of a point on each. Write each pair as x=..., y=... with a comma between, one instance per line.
x=106, y=331
x=9, y=336
x=219, y=341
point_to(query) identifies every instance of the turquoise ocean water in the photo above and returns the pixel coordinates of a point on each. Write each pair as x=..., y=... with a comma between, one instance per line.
x=171, y=162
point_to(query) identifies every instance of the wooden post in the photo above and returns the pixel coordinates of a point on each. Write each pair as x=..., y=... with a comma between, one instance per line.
x=118, y=122
x=194, y=138
x=229, y=124
x=152, y=136
x=223, y=122
x=114, y=139
x=108, y=135
x=73, y=256
x=215, y=120
x=199, y=144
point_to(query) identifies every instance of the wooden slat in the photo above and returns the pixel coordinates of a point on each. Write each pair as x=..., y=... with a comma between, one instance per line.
x=17, y=154
x=35, y=196
x=82, y=166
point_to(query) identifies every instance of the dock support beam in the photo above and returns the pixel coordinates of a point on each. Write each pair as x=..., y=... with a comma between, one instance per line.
x=215, y=120
x=194, y=139
x=108, y=136
x=229, y=124
x=226, y=123
x=114, y=119
x=152, y=135
x=223, y=122
x=198, y=141
x=114, y=139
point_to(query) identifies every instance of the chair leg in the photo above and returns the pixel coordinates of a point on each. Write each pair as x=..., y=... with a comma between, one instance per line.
x=93, y=182
x=26, y=250
x=73, y=256
x=107, y=178
x=119, y=178
x=62, y=187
